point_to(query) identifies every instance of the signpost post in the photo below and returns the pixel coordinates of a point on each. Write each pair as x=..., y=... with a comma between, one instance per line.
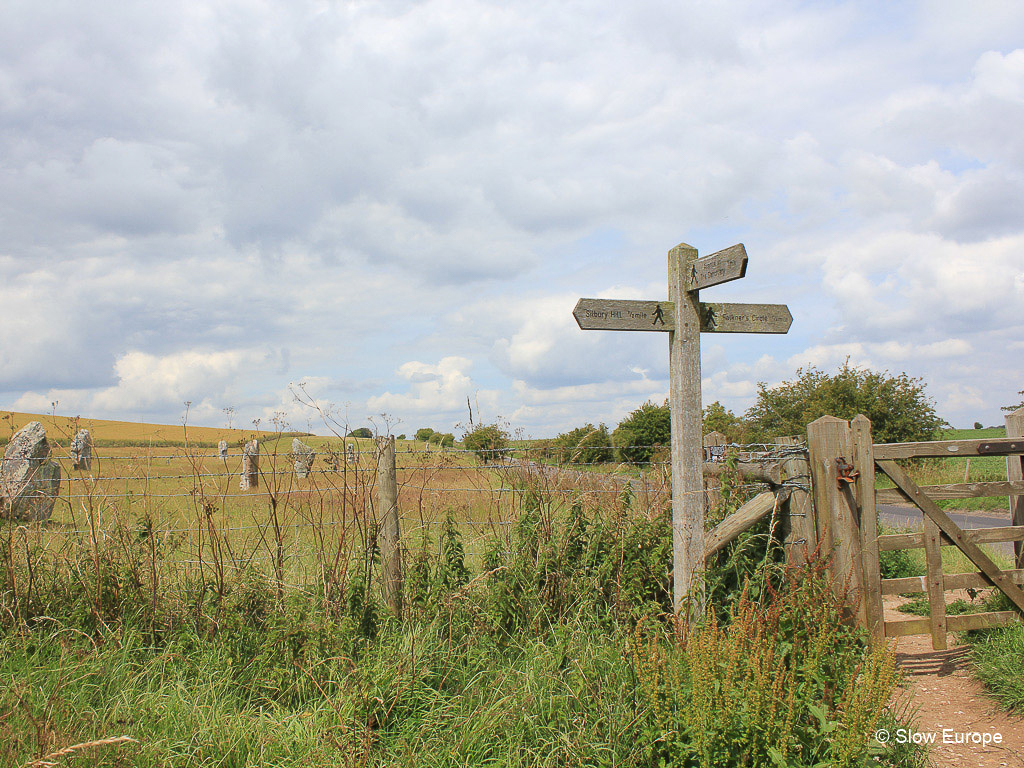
x=684, y=317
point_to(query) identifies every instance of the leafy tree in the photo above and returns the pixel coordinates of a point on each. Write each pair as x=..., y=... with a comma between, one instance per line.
x=584, y=445
x=488, y=441
x=1012, y=408
x=978, y=425
x=401, y=437
x=443, y=439
x=899, y=408
x=361, y=432
x=424, y=434
x=637, y=434
x=718, y=418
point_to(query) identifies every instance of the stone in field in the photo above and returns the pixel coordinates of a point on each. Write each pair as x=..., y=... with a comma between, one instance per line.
x=222, y=449
x=350, y=453
x=303, y=456
x=81, y=450
x=29, y=481
x=250, y=466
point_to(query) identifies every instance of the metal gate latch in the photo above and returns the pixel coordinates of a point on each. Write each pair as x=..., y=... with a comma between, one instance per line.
x=845, y=472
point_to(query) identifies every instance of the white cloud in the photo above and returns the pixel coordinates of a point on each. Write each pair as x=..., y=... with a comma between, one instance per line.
x=357, y=186
x=148, y=383
x=441, y=388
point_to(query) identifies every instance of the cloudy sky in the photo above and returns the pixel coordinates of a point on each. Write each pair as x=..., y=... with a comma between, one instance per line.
x=397, y=203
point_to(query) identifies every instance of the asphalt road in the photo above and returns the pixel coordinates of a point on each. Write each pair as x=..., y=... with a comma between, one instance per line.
x=910, y=518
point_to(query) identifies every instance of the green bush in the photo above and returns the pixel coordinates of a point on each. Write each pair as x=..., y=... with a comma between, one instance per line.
x=898, y=406
x=443, y=439
x=639, y=433
x=718, y=418
x=423, y=434
x=898, y=564
x=364, y=432
x=488, y=441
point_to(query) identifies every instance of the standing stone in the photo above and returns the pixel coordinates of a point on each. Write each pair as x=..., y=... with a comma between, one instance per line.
x=303, y=456
x=250, y=466
x=81, y=450
x=350, y=453
x=29, y=481
x=222, y=449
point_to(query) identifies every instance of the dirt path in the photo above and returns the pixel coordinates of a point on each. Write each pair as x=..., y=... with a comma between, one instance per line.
x=952, y=706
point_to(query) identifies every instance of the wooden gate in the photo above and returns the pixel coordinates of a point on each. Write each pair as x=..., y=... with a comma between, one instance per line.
x=844, y=462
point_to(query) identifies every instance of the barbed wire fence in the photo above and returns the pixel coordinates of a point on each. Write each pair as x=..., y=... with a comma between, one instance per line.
x=187, y=505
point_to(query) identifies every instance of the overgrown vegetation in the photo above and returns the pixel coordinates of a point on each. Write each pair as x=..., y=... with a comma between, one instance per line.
x=556, y=648
x=584, y=445
x=998, y=655
x=490, y=442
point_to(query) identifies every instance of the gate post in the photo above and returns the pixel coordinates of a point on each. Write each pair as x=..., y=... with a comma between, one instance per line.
x=830, y=442
x=1015, y=471
x=864, y=461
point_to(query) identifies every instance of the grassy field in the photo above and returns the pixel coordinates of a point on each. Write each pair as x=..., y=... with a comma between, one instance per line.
x=554, y=648
x=60, y=430
x=219, y=627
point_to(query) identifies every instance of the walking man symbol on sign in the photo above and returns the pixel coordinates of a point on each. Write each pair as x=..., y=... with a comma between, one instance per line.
x=710, y=319
x=658, y=316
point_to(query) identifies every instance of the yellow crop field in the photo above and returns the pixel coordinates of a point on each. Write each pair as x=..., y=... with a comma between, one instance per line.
x=62, y=428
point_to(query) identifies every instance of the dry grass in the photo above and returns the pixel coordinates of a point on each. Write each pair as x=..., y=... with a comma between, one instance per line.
x=63, y=428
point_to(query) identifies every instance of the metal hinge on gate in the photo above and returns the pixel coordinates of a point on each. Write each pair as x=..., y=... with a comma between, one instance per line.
x=845, y=473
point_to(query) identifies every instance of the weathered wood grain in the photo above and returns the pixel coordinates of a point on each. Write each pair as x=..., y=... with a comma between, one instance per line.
x=798, y=531
x=717, y=268
x=1015, y=474
x=624, y=315
x=911, y=584
x=685, y=416
x=739, y=521
x=953, y=623
x=756, y=473
x=715, y=317
x=744, y=318
x=915, y=540
x=828, y=439
x=390, y=529
x=939, y=448
x=934, y=583
x=864, y=462
x=954, y=491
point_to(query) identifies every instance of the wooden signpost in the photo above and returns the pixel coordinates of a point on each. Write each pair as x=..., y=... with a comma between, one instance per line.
x=684, y=317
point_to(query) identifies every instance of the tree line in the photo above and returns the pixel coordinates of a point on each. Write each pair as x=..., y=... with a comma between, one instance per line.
x=898, y=406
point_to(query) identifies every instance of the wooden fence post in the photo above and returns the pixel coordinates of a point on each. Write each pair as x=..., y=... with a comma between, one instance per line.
x=799, y=535
x=1015, y=471
x=864, y=461
x=390, y=530
x=830, y=442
